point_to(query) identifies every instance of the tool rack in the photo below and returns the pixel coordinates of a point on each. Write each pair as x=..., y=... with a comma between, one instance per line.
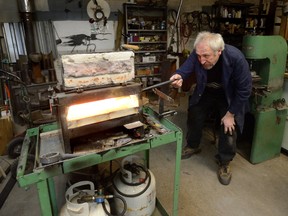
x=43, y=177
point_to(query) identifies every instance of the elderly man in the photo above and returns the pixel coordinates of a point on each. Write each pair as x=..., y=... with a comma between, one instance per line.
x=224, y=84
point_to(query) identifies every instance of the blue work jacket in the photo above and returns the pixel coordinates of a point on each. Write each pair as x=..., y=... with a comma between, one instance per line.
x=236, y=80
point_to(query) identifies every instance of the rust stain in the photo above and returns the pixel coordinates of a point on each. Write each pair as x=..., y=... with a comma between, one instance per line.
x=274, y=59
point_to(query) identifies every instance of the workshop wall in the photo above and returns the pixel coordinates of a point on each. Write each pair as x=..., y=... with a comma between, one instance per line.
x=76, y=10
x=57, y=8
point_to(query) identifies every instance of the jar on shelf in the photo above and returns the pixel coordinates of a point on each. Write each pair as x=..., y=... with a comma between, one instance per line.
x=163, y=25
x=156, y=69
x=135, y=38
x=225, y=13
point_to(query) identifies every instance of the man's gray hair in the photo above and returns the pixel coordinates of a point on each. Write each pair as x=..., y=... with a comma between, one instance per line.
x=214, y=40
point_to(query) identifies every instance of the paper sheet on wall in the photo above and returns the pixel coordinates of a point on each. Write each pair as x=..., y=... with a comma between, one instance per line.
x=84, y=37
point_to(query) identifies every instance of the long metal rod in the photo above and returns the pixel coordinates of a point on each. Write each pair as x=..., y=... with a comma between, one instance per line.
x=158, y=85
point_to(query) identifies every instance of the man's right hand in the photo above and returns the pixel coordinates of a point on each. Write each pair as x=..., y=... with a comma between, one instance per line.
x=178, y=81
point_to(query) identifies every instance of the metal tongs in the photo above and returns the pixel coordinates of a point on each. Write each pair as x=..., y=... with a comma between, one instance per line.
x=162, y=96
x=158, y=92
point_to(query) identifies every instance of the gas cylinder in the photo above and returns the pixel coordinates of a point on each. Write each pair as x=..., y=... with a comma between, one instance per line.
x=137, y=186
x=84, y=202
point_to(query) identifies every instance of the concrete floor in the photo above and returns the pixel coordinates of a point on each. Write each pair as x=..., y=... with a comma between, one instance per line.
x=255, y=190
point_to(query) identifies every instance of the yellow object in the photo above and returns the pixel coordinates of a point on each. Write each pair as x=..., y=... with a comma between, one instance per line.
x=6, y=133
x=130, y=47
x=186, y=53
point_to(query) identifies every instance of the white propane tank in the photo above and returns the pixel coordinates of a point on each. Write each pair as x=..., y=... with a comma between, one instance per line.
x=137, y=185
x=73, y=208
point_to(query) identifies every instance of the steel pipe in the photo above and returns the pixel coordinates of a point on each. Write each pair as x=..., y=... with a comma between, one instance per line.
x=26, y=9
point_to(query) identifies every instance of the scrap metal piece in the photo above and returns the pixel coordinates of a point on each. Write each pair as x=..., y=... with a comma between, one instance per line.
x=115, y=140
x=279, y=104
x=155, y=125
x=163, y=95
x=123, y=141
x=168, y=113
x=261, y=90
x=50, y=158
x=133, y=125
x=108, y=143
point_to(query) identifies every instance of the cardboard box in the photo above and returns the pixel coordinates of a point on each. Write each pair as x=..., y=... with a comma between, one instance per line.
x=143, y=71
x=147, y=59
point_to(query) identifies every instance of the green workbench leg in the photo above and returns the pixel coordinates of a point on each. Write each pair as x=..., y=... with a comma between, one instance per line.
x=52, y=193
x=47, y=198
x=177, y=173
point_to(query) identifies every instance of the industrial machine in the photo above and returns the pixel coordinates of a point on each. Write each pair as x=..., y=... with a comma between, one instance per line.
x=285, y=137
x=264, y=125
x=100, y=118
x=98, y=95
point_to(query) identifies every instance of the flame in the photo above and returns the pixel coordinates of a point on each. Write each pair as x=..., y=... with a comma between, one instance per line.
x=101, y=107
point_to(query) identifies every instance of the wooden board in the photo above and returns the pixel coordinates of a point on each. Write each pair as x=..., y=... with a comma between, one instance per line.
x=97, y=69
x=6, y=133
x=4, y=167
x=284, y=27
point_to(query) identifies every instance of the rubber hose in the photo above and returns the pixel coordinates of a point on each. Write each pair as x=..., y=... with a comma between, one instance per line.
x=124, y=209
x=132, y=195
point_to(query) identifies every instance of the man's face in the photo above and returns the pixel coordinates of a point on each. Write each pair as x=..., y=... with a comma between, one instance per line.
x=206, y=56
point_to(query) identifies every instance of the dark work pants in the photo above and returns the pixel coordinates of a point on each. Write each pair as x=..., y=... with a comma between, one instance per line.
x=197, y=115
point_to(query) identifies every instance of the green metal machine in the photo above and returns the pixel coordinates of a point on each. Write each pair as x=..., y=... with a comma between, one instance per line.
x=264, y=126
x=43, y=174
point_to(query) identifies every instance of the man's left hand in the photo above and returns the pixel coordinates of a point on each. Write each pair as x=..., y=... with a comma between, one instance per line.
x=228, y=122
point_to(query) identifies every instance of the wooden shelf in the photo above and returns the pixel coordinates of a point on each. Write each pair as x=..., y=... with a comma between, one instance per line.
x=146, y=27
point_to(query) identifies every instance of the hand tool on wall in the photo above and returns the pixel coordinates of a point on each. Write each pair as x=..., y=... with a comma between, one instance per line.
x=175, y=26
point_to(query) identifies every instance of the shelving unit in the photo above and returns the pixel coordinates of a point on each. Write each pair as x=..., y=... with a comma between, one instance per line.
x=146, y=27
x=230, y=21
x=261, y=17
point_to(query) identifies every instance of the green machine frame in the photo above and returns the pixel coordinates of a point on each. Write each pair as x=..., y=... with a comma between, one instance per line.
x=267, y=56
x=43, y=177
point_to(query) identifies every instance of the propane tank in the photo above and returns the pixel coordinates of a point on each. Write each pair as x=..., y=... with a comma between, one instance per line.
x=137, y=186
x=84, y=202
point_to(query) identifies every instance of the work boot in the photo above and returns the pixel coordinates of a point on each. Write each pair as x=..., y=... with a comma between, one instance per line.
x=187, y=152
x=224, y=174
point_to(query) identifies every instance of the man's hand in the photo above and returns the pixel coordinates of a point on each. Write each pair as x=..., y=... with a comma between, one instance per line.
x=228, y=122
x=177, y=80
